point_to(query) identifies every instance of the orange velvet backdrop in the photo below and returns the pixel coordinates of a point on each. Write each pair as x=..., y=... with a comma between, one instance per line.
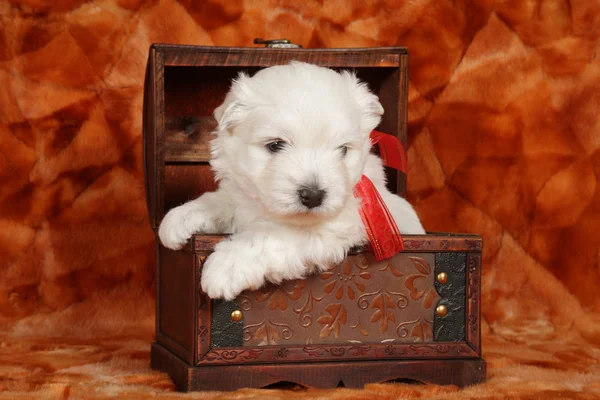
x=504, y=140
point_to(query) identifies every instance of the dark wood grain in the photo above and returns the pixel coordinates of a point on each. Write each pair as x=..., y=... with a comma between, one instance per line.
x=185, y=182
x=176, y=299
x=473, y=301
x=322, y=353
x=187, y=139
x=403, y=118
x=203, y=314
x=202, y=244
x=317, y=375
x=149, y=137
x=258, y=56
x=191, y=96
x=155, y=153
x=183, y=86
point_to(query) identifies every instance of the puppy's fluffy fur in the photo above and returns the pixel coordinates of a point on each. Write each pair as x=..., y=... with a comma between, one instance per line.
x=287, y=128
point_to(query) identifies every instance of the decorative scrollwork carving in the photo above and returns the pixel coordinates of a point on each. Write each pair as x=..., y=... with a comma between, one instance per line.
x=358, y=300
x=233, y=355
x=245, y=302
x=336, y=352
x=268, y=332
x=304, y=317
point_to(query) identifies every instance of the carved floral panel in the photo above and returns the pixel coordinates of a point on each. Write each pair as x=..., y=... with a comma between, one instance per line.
x=361, y=300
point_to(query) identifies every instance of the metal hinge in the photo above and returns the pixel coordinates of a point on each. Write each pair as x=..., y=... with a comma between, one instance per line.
x=278, y=43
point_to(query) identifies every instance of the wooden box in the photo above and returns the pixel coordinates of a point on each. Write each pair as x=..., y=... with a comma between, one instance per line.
x=413, y=317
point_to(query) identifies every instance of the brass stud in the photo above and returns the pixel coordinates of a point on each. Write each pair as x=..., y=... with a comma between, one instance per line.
x=236, y=316
x=442, y=278
x=441, y=310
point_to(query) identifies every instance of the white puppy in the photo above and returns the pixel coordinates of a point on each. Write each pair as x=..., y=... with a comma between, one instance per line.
x=291, y=143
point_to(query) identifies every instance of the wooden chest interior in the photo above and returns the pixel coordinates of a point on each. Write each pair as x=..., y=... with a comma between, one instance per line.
x=415, y=316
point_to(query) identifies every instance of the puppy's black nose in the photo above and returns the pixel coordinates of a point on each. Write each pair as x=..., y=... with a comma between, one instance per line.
x=311, y=197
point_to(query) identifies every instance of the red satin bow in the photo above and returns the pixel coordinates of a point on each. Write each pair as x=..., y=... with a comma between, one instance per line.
x=382, y=231
x=390, y=149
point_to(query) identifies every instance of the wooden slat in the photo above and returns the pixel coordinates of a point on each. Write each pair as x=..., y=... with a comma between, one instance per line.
x=159, y=138
x=187, y=138
x=175, y=310
x=346, y=352
x=186, y=182
x=258, y=56
x=412, y=243
x=149, y=137
x=473, y=300
x=353, y=374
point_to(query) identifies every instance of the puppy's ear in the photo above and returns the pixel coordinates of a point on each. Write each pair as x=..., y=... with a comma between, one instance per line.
x=233, y=109
x=370, y=108
x=228, y=114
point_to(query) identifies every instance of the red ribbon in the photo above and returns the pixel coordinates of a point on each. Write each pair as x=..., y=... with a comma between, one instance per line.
x=390, y=149
x=382, y=231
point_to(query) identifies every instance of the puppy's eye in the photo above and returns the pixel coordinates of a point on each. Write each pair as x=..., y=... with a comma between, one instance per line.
x=275, y=146
x=344, y=150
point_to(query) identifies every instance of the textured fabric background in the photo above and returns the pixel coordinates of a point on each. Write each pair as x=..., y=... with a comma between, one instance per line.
x=504, y=140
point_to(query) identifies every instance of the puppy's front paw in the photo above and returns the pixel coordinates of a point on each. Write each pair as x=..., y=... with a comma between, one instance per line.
x=226, y=274
x=174, y=229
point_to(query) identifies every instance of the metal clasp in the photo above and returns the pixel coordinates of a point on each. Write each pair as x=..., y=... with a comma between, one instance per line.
x=277, y=43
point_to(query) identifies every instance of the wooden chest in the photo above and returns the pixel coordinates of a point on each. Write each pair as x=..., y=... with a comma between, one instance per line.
x=414, y=317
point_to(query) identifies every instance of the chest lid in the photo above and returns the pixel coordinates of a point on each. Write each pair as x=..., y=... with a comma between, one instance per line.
x=184, y=84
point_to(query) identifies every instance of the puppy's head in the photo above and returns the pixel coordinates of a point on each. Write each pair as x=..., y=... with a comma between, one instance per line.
x=295, y=137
